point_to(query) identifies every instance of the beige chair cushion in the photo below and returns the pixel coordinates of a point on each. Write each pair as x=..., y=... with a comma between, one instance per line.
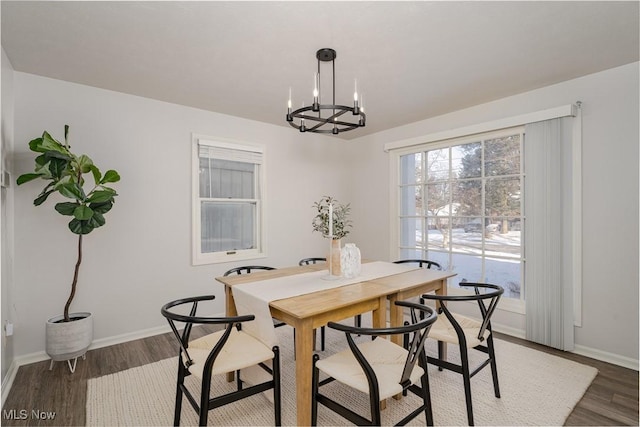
x=387, y=360
x=442, y=330
x=240, y=351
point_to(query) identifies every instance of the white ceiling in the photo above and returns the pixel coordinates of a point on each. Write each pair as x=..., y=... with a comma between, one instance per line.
x=413, y=60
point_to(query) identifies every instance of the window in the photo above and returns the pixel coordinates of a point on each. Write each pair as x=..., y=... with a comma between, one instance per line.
x=227, y=201
x=460, y=204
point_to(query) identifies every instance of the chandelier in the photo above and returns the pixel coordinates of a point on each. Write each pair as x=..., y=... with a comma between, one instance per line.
x=310, y=119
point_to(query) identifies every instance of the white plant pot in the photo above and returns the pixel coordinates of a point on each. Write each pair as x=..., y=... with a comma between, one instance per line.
x=69, y=340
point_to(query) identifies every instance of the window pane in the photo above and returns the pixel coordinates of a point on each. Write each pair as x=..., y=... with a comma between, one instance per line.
x=411, y=200
x=205, y=177
x=502, y=197
x=231, y=179
x=468, y=158
x=438, y=197
x=468, y=268
x=228, y=226
x=467, y=236
x=502, y=156
x=501, y=240
x=441, y=258
x=467, y=196
x=438, y=165
x=439, y=236
x=411, y=169
x=506, y=273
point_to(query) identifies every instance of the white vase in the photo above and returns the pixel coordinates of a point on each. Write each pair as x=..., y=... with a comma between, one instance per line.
x=350, y=262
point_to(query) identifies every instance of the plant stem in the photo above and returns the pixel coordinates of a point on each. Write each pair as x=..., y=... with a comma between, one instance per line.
x=75, y=280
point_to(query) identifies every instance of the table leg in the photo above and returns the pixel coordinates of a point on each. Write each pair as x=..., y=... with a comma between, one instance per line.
x=230, y=310
x=304, y=368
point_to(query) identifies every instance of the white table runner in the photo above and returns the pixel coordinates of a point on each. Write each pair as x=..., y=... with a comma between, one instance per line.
x=254, y=297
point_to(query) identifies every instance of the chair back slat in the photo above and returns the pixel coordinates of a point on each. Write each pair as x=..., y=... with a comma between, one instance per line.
x=416, y=346
x=421, y=262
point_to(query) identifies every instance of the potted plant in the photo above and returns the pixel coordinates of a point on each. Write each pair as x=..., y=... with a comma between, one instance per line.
x=70, y=334
x=332, y=221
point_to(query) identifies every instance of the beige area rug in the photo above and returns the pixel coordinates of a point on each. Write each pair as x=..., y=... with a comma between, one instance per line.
x=536, y=389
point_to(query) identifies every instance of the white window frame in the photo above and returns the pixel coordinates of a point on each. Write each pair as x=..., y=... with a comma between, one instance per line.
x=199, y=258
x=568, y=110
x=508, y=304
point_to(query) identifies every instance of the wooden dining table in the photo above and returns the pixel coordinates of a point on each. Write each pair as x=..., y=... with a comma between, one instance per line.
x=311, y=311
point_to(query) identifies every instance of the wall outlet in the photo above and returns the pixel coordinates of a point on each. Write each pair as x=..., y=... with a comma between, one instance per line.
x=8, y=328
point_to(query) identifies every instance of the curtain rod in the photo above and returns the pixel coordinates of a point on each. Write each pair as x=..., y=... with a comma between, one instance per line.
x=537, y=116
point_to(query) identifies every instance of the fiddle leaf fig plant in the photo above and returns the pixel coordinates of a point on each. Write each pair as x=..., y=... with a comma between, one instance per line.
x=65, y=173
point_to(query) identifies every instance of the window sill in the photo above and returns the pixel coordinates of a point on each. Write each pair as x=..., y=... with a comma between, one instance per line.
x=219, y=258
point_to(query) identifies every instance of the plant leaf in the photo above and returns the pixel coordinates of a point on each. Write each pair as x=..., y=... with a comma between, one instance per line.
x=110, y=176
x=96, y=174
x=27, y=177
x=84, y=163
x=36, y=145
x=72, y=190
x=83, y=212
x=49, y=143
x=80, y=227
x=102, y=208
x=66, y=208
x=42, y=197
x=101, y=196
x=97, y=220
x=57, y=167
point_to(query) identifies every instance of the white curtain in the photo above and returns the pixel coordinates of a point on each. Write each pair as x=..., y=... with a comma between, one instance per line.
x=548, y=159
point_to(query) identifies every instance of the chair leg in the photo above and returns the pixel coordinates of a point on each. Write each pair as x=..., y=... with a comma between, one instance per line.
x=277, y=394
x=204, y=398
x=180, y=382
x=494, y=366
x=322, y=338
x=426, y=393
x=238, y=381
x=466, y=378
x=440, y=352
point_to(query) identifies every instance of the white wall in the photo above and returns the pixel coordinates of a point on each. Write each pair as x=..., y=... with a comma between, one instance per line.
x=610, y=196
x=141, y=258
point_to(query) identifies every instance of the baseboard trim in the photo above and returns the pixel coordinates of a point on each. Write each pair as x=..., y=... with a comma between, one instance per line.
x=593, y=353
x=614, y=359
x=7, y=382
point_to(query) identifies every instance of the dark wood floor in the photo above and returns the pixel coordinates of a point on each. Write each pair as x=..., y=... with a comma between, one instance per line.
x=612, y=398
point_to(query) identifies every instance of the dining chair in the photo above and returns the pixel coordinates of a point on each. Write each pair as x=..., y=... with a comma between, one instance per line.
x=228, y=350
x=468, y=334
x=378, y=367
x=309, y=261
